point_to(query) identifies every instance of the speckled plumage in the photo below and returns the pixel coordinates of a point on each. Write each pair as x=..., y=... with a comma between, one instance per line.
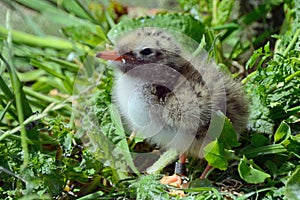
x=168, y=95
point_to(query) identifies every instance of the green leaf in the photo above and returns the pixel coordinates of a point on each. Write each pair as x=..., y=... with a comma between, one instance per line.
x=74, y=6
x=5, y=89
x=72, y=67
x=264, y=150
x=224, y=136
x=271, y=166
x=282, y=133
x=221, y=128
x=54, y=183
x=116, y=119
x=47, y=68
x=259, y=140
x=48, y=41
x=19, y=95
x=94, y=195
x=250, y=174
x=32, y=75
x=293, y=186
x=214, y=155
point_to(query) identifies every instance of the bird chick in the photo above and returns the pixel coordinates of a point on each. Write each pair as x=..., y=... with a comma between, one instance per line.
x=167, y=94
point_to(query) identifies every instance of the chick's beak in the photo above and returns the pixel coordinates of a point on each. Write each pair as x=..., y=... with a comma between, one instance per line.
x=109, y=55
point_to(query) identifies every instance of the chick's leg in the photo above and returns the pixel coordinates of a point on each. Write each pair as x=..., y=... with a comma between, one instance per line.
x=180, y=166
x=206, y=171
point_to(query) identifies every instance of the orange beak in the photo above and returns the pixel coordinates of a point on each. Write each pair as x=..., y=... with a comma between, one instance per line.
x=113, y=55
x=109, y=55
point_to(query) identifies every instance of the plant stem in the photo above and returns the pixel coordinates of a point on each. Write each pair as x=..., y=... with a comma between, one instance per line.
x=292, y=43
x=247, y=78
x=215, y=12
x=5, y=110
x=40, y=96
x=290, y=77
x=17, y=87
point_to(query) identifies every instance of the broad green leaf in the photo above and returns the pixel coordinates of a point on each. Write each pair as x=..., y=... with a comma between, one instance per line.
x=250, y=174
x=224, y=136
x=214, y=155
x=282, y=133
x=259, y=140
x=222, y=129
x=293, y=186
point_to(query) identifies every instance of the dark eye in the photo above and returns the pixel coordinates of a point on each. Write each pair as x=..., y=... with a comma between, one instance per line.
x=146, y=52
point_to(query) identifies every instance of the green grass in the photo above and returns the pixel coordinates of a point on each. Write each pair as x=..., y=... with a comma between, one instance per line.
x=61, y=137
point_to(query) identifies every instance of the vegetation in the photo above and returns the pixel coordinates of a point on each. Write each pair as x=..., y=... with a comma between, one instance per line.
x=62, y=138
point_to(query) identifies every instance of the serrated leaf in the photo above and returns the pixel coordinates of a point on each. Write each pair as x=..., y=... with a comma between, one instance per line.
x=283, y=132
x=184, y=23
x=250, y=174
x=293, y=186
x=214, y=155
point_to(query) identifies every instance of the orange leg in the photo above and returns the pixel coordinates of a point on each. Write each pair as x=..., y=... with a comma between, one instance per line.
x=206, y=170
x=180, y=166
x=182, y=158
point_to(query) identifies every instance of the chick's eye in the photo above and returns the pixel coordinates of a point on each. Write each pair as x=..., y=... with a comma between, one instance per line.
x=146, y=52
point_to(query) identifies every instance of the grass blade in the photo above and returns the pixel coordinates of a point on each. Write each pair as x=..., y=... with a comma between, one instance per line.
x=75, y=7
x=48, y=41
